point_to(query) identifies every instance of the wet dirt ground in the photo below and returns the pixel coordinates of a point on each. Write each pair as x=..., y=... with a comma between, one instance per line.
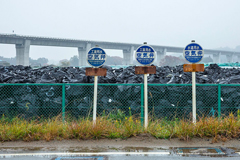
x=140, y=147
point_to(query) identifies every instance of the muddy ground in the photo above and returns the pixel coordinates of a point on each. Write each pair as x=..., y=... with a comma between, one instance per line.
x=143, y=140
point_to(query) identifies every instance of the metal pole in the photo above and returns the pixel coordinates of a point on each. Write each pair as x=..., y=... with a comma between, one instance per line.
x=194, y=96
x=145, y=101
x=219, y=100
x=95, y=100
x=142, y=105
x=63, y=101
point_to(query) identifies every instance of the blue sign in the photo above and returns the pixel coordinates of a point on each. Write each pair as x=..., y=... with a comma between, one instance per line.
x=145, y=55
x=193, y=53
x=96, y=57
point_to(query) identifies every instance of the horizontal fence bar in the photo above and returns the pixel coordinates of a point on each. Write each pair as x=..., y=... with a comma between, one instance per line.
x=207, y=84
x=101, y=84
x=107, y=84
x=31, y=84
x=70, y=84
x=79, y=84
x=230, y=85
x=156, y=84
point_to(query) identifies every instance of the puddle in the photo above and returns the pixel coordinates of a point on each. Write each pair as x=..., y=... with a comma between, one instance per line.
x=78, y=152
x=210, y=151
x=82, y=158
x=206, y=151
x=80, y=149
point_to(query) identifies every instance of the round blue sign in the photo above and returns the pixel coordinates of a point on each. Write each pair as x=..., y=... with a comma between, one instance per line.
x=96, y=57
x=145, y=55
x=193, y=53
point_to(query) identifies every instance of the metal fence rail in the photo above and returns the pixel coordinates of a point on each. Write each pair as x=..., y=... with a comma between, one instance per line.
x=76, y=100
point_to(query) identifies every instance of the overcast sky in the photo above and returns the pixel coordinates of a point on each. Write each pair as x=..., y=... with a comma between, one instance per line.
x=212, y=23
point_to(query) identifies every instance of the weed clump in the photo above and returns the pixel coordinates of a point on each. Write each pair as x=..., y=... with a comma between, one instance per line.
x=117, y=126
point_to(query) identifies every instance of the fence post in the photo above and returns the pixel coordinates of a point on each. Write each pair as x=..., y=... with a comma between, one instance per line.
x=219, y=100
x=63, y=101
x=142, y=102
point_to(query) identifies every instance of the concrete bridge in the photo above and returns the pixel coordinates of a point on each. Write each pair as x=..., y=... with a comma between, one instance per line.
x=23, y=43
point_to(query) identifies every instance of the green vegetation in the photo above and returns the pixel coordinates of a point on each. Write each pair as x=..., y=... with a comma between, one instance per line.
x=118, y=126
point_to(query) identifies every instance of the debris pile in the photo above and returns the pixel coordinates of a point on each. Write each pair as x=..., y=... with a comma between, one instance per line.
x=213, y=74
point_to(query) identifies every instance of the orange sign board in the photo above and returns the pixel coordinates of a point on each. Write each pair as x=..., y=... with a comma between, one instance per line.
x=145, y=70
x=193, y=67
x=96, y=71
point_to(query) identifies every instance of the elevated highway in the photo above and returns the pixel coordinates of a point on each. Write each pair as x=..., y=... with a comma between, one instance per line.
x=23, y=43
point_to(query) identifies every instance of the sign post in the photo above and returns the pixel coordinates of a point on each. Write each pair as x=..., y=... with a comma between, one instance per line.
x=194, y=107
x=193, y=53
x=145, y=55
x=95, y=100
x=145, y=102
x=96, y=57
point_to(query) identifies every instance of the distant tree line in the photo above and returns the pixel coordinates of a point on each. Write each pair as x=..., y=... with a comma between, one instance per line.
x=11, y=60
x=74, y=61
x=40, y=61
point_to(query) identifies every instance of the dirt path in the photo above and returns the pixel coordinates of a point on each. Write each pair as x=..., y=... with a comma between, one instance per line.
x=139, y=141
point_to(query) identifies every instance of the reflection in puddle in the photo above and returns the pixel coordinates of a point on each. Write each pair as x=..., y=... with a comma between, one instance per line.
x=111, y=151
x=79, y=149
x=210, y=151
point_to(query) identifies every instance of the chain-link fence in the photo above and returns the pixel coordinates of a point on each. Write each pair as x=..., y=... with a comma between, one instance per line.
x=76, y=100
x=30, y=100
x=111, y=98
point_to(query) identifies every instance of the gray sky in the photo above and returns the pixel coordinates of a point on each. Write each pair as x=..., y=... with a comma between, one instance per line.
x=212, y=23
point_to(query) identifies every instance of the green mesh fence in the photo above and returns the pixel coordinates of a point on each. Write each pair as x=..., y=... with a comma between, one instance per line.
x=169, y=101
x=76, y=100
x=230, y=99
x=207, y=100
x=29, y=101
x=175, y=101
x=111, y=98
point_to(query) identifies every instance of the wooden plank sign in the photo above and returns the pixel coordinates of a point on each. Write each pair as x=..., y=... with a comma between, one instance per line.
x=96, y=71
x=145, y=70
x=193, y=67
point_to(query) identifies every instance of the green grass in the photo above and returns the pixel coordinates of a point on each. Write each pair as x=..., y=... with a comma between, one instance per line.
x=219, y=129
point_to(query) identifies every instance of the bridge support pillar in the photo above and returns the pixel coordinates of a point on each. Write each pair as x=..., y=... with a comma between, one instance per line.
x=82, y=54
x=229, y=58
x=216, y=58
x=128, y=56
x=161, y=55
x=22, y=53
